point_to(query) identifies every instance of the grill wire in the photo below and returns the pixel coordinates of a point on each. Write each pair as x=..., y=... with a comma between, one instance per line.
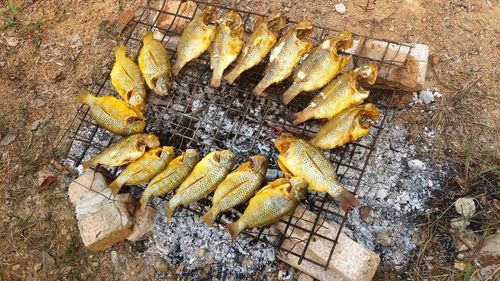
x=232, y=117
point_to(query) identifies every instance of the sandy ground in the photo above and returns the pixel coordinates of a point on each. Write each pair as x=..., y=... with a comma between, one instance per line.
x=55, y=50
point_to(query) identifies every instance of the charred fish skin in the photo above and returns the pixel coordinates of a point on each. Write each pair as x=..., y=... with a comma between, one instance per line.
x=237, y=187
x=127, y=79
x=226, y=46
x=301, y=159
x=272, y=202
x=196, y=38
x=145, y=168
x=321, y=66
x=204, y=178
x=123, y=151
x=113, y=114
x=342, y=93
x=154, y=64
x=346, y=127
x=286, y=55
x=258, y=45
x=170, y=178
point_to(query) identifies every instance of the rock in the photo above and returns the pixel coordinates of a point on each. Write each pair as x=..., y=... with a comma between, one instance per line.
x=491, y=246
x=465, y=206
x=169, y=21
x=383, y=239
x=143, y=223
x=12, y=41
x=304, y=277
x=426, y=96
x=161, y=265
x=103, y=219
x=37, y=267
x=37, y=103
x=416, y=165
x=45, y=260
x=471, y=68
x=7, y=139
x=340, y=8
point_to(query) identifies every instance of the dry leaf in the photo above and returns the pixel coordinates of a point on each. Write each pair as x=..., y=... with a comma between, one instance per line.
x=46, y=183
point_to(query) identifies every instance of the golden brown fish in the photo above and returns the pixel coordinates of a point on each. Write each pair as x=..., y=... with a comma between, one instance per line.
x=176, y=172
x=127, y=79
x=145, y=168
x=155, y=65
x=272, y=202
x=286, y=55
x=340, y=94
x=227, y=45
x=196, y=38
x=300, y=159
x=237, y=187
x=258, y=44
x=206, y=175
x=123, y=151
x=320, y=66
x=113, y=114
x=346, y=127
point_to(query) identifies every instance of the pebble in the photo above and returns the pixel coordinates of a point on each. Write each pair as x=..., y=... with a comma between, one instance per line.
x=416, y=165
x=12, y=41
x=95, y=264
x=16, y=267
x=340, y=8
x=470, y=68
x=114, y=257
x=37, y=267
x=383, y=239
x=391, y=29
x=8, y=138
x=426, y=96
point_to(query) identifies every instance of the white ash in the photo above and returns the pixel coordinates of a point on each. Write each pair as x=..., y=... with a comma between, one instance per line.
x=425, y=97
x=186, y=240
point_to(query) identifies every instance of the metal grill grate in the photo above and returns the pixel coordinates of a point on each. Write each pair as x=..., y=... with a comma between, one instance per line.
x=197, y=116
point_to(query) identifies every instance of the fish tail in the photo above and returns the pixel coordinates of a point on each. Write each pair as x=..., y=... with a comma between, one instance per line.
x=176, y=68
x=291, y=93
x=116, y=186
x=231, y=76
x=144, y=199
x=120, y=51
x=210, y=216
x=171, y=206
x=235, y=229
x=148, y=36
x=300, y=117
x=83, y=97
x=348, y=201
x=216, y=78
x=261, y=87
x=86, y=164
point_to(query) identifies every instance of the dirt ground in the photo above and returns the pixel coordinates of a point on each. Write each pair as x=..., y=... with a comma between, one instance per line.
x=50, y=50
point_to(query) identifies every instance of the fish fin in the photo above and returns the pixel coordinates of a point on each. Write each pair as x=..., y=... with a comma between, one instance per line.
x=285, y=170
x=209, y=217
x=171, y=206
x=83, y=97
x=348, y=201
x=300, y=118
x=120, y=51
x=115, y=186
x=290, y=94
x=234, y=229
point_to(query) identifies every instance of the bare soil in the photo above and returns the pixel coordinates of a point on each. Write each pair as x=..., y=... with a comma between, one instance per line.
x=55, y=49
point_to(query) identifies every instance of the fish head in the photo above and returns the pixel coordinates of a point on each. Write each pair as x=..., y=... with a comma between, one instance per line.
x=297, y=188
x=162, y=85
x=154, y=153
x=167, y=152
x=135, y=99
x=233, y=20
x=210, y=16
x=367, y=73
x=191, y=155
x=283, y=142
x=369, y=110
x=276, y=22
x=342, y=41
x=151, y=141
x=135, y=125
x=259, y=164
x=303, y=29
x=224, y=158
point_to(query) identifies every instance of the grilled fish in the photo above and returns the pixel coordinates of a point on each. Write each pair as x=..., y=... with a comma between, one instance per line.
x=171, y=177
x=155, y=65
x=226, y=47
x=237, y=187
x=145, y=168
x=320, y=66
x=272, y=202
x=258, y=44
x=196, y=38
x=301, y=159
x=346, y=127
x=113, y=114
x=127, y=79
x=124, y=151
x=206, y=175
x=340, y=94
x=286, y=55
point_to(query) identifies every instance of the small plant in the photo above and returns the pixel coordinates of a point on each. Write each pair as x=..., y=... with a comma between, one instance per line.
x=10, y=17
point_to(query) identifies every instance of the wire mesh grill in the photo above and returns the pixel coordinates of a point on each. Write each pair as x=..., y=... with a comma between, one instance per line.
x=232, y=117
